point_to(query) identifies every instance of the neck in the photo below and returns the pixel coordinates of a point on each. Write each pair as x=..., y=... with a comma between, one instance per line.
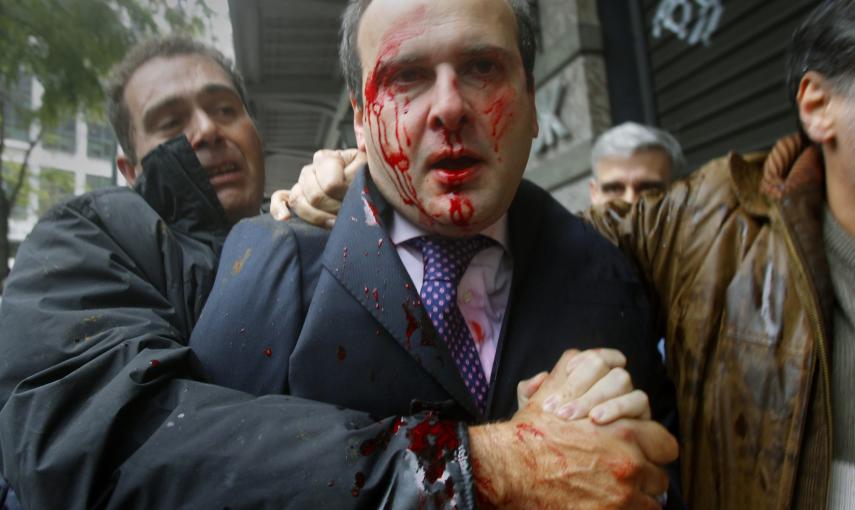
x=840, y=190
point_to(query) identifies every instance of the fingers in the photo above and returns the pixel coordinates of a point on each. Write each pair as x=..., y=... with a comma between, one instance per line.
x=653, y=480
x=328, y=170
x=654, y=441
x=318, y=194
x=610, y=358
x=312, y=189
x=301, y=207
x=575, y=374
x=528, y=387
x=613, y=357
x=582, y=373
x=615, y=383
x=353, y=160
x=279, y=205
x=634, y=404
x=643, y=502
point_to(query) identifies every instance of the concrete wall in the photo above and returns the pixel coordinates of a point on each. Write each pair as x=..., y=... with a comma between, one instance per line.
x=573, y=102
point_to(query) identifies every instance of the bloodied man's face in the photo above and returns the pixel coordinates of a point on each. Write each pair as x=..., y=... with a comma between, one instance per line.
x=447, y=119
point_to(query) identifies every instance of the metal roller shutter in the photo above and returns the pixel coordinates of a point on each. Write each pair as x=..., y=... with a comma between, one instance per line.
x=730, y=94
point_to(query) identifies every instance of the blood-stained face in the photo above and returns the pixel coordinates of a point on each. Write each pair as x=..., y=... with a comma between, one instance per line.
x=447, y=118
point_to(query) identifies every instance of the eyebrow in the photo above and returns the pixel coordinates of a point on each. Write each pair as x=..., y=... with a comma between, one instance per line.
x=612, y=185
x=488, y=50
x=476, y=51
x=175, y=100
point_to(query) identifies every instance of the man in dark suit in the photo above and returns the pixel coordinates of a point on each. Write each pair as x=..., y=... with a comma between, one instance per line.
x=445, y=283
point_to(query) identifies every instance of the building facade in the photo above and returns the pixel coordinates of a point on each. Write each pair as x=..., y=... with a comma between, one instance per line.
x=75, y=157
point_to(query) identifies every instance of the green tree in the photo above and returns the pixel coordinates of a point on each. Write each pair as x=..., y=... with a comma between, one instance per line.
x=69, y=46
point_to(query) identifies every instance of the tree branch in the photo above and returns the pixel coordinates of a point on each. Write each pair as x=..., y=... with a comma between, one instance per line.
x=2, y=132
x=22, y=171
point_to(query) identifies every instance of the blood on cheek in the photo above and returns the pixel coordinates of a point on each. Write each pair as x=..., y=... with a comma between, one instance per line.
x=390, y=136
x=500, y=115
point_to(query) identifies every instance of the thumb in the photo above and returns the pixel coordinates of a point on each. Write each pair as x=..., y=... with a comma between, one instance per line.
x=279, y=205
x=353, y=160
x=656, y=443
x=528, y=387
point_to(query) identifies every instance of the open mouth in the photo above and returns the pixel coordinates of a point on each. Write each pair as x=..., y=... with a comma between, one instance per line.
x=455, y=164
x=225, y=168
x=455, y=171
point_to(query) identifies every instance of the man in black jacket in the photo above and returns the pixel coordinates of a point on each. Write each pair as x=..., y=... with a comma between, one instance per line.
x=108, y=286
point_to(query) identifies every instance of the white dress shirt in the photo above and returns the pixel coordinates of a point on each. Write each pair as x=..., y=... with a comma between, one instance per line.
x=484, y=289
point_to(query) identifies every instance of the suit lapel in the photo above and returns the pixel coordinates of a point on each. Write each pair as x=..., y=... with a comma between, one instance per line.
x=361, y=256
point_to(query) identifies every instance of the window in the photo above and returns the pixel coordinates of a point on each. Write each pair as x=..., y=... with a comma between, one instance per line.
x=100, y=142
x=62, y=138
x=94, y=182
x=10, y=179
x=17, y=107
x=55, y=185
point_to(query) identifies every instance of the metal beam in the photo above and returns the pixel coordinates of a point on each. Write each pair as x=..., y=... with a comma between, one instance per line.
x=333, y=137
x=245, y=22
x=320, y=87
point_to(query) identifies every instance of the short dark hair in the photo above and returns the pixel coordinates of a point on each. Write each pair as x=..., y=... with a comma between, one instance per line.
x=165, y=47
x=825, y=43
x=348, y=52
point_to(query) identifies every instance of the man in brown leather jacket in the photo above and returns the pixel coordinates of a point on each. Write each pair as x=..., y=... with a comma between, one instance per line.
x=752, y=261
x=741, y=257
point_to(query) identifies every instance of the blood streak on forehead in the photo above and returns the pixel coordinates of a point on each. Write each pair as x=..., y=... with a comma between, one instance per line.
x=404, y=28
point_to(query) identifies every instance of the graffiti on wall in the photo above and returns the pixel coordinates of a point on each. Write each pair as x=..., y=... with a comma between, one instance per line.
x=552, y=129
x=692, y=21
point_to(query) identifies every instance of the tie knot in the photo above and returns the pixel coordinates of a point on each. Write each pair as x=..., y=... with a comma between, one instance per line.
x=446, y=259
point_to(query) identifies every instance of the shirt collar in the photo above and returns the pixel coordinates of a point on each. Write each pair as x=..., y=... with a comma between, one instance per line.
x=402, y=230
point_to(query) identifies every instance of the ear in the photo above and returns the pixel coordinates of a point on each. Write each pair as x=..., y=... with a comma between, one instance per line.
x=813, y=98
x=358, y=125
x=594, y=190
x=129, y=170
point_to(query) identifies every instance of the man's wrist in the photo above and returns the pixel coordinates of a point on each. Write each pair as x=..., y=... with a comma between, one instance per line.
x=487, y=455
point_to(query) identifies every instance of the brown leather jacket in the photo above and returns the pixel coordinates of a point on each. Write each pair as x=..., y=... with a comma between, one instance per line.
x=735, y=257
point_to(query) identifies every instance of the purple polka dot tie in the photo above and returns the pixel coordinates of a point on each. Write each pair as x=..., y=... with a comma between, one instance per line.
x=445, y=261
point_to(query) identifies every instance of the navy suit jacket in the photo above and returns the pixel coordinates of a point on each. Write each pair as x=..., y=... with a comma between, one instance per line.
x=334, y=316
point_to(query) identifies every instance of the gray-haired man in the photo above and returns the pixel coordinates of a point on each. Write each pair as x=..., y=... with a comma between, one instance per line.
x=630, y=159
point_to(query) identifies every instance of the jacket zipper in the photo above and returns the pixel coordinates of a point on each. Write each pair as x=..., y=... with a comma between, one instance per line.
x=816, y=322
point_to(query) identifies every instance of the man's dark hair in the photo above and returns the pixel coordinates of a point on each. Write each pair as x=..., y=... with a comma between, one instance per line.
x=348, y=52
x=825, y=43
x=165, y=47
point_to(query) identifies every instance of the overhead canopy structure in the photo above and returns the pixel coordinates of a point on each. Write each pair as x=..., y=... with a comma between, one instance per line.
x=287, y=51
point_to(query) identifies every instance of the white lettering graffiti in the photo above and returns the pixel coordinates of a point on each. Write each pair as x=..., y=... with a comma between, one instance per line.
x=677, y=16
x=552, y=129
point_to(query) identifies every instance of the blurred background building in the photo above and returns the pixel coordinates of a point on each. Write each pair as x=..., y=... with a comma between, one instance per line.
x=75, y=157
x=709, y=71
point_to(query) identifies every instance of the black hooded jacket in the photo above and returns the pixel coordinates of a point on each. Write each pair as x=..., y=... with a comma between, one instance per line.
x=105, y=406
